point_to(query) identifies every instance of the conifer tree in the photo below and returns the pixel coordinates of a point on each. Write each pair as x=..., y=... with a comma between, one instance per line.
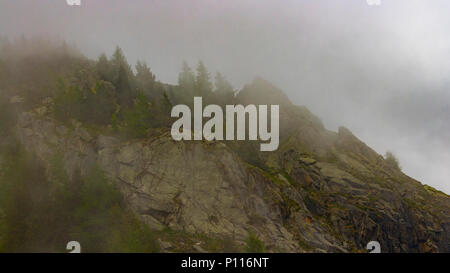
x=122, y=77
x=103, y=68
x=145, y=79
x=203, y=85
x=224, y=90
x=186, y=79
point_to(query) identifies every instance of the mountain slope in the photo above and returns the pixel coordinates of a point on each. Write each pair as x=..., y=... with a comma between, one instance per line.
x=321, y=191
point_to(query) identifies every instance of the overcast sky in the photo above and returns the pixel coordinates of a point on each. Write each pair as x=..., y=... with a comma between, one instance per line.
x=381, y=71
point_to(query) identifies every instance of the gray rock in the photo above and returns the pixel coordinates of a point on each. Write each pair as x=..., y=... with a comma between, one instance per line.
x=335, y=204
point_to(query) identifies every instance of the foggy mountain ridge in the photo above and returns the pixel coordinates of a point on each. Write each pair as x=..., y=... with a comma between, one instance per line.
x=86, y=152
x=92, y=135
x=415, y=109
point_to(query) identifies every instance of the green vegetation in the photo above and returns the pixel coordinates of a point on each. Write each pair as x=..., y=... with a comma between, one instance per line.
x=254, y=244
x=392, y=160
x=41, y=213
x=7, y=117
x=92, y=102
x=137, y=119
x=42, y=208
x=434, y=191
x=412, y=204
x=182, y=241
x=104, y=92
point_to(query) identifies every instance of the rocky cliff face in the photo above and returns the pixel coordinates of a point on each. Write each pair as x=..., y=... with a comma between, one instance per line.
x=319, y=192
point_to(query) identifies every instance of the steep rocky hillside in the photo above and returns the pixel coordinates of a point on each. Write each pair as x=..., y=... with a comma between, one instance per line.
x=321, y=191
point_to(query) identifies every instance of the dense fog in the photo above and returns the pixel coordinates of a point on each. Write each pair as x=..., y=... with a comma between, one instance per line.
x=381, y=71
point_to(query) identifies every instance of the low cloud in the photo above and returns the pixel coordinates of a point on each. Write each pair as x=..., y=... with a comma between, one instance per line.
x=382, y=71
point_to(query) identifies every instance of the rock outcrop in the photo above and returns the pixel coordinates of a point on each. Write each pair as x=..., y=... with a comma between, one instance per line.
x=321, y=191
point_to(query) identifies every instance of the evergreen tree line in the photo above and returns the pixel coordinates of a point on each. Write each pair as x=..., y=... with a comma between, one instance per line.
x=106, y=91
